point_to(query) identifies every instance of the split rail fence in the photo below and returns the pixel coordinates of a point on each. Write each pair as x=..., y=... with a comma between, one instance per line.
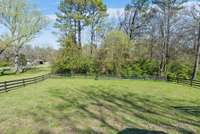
x=8, y=85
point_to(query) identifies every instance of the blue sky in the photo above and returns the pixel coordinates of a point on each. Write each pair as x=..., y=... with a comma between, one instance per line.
x=48, y=8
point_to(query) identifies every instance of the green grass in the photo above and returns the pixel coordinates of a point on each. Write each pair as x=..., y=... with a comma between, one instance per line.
x=86, y=106
x=37, y=71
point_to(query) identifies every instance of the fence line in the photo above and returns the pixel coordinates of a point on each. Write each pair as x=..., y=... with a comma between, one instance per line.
x=177, y=80
x=189, y=82
x=97, y=77
x=8, y=85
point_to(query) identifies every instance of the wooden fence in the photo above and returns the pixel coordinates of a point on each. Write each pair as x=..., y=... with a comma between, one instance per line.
x=189, y=82
x=8, y=85
x=108, y=77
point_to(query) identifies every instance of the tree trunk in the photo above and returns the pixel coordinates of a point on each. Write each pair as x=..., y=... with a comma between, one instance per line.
x=17, y=66
x=132, y=25
x=167, y=39
x=75, y=29
x=1, y=51
x=79, y=34
x=196, y=64
x=151, y=46
x=163, y=50
x=92, y=39
x=163, y=60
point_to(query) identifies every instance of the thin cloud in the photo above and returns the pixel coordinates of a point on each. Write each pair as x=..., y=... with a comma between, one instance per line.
x=115, y=12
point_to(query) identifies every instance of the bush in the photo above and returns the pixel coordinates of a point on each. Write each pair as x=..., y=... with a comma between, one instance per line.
x=179, y=70
x=71, y=60
x=137, y=70
x=86, y=65
x=127, y=72
x=171, y=76
x=4, y=63
x=114, y=53
x=141, y=68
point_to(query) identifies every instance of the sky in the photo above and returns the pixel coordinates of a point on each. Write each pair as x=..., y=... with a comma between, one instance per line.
x=47, y=37
x=49, y=7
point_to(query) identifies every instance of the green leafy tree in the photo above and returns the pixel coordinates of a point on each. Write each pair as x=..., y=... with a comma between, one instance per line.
x=115, y=52
x=97, y=11
x=71, y=60
x=67, y=60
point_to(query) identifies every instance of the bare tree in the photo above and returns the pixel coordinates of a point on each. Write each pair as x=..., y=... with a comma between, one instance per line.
x=22, y=21
x=168, y=10
x=195, y=16
x=134, y=17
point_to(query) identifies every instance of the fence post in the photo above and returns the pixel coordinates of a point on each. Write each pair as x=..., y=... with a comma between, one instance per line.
x=24, y=82
x=191, y=82
x=5, y=86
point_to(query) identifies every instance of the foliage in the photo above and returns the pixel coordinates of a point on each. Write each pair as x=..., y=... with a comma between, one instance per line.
x=140, y=68
x=74, y=16
x=115, y=52
x=149, y=40
x=71, y=59
x=4, y=63
x=147, y=67
x=127, y=71
x=179, y=70
x=22, y=22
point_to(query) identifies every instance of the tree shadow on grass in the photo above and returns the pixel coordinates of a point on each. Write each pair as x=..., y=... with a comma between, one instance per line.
x=114, y=112
x=151, y=111
x=139, y=131
x=193, y=110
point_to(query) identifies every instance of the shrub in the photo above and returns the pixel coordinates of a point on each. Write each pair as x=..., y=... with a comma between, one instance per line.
x=71, y=60
x=144, y=68
x=4, y=63
x=179, y=70
x=127, y=72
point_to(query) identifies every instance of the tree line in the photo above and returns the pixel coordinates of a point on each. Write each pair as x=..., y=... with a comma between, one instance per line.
x=153, y=37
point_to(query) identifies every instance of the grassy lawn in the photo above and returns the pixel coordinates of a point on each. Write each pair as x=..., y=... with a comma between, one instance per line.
x=37, y=71
x=86, y=106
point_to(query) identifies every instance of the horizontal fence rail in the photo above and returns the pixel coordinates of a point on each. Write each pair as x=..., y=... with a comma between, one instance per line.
x=189, y=82
x=177, y=80
x=111, y=77
x=8, y=85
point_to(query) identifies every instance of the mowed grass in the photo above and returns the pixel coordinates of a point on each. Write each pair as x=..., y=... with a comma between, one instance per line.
x=37, y=71
x=86, y=106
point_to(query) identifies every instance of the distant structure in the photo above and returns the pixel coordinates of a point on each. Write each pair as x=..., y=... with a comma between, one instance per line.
x=39, y=62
